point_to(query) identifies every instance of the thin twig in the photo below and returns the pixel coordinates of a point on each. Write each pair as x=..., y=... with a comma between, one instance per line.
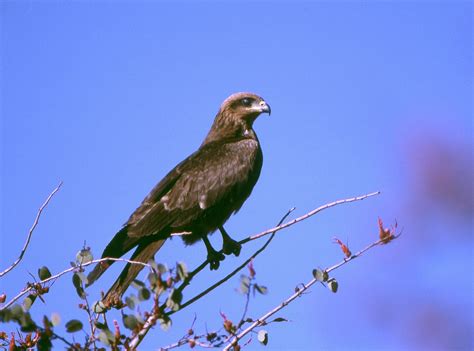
x=184, y=339
x=64, y=340
x=149, y=323
x=307, y=215
x=301, y=290
x=30, y=233
x=72, y=269
x=92, y=321
x=175, y=345
x=247, y=301
x=231, y=274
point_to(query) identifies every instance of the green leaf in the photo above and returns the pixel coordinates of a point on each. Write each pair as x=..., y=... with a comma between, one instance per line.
x=132, y=301
x=140, y=318
x=144, y=294
x=44, y=273
x=333, y=285
x=76, y=281
x=73, y=326
x=174, y=300
x=165, y=323
x=156, y=283
x=16, y=311
x=261, y=289
x=28, y=302
x=27, y=324
x=81, y=293
x=47, y=323
x=280, y=319
x=182, y=270
x=138, y=284
x=83, y=277
x=101, y=326
x=262, y=336
x=320, y=276
x=104, y=337
x=162, y=268
x=177, y=296
x=130, y=321
x=152, y=278
x=99, y=307
x=84, y=256
x=244, y=284
x=325, y=276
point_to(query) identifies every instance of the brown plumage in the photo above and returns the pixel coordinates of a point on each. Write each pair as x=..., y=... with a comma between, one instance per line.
x=197, y=196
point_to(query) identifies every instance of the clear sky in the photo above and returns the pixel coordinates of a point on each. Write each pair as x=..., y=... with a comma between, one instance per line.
x=365, y=96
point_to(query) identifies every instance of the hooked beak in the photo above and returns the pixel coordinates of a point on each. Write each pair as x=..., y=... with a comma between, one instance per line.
x=264, y=107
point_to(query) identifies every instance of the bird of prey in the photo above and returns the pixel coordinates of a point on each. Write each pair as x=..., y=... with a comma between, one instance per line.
x=197, y=196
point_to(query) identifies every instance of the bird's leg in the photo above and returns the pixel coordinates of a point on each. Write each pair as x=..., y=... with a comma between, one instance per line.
x=213, y=256
x=229, y=245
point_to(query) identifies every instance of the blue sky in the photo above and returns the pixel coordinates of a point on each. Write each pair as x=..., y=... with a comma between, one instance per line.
x=365, y=96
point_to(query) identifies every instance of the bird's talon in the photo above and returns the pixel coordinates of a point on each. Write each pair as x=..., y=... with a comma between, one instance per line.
x=231, y=246
x=214, y=259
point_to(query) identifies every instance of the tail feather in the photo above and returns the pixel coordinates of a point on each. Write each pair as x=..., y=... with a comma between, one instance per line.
x=118, y=246
x=143, y=253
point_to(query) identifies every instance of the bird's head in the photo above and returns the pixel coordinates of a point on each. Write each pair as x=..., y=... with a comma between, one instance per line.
x=236, y=115
x=246, y=106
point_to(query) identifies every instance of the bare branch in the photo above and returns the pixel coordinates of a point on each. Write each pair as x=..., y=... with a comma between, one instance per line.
x=307, y=215
x=35, y=223
x=299, y=219
x=301, y=290
x=234, y=272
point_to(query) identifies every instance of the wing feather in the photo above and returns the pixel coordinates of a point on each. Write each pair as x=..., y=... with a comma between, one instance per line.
x=215, y=175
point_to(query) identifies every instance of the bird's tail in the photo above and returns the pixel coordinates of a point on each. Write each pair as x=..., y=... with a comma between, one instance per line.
x=118, y=246
x=144, y=252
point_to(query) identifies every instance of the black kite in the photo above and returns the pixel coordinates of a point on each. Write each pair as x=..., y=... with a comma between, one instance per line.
x=197, y=196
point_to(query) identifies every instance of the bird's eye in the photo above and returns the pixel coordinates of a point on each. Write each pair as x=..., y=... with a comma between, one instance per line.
x=246, y=102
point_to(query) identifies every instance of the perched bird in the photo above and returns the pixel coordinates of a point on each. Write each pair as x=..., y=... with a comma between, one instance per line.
x=197, y=196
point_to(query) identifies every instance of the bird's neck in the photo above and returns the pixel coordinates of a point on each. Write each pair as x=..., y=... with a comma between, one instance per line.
x=229, y=129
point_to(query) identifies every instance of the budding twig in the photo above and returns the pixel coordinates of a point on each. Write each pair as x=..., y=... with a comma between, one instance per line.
x=300, y=291
x=69, y=270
